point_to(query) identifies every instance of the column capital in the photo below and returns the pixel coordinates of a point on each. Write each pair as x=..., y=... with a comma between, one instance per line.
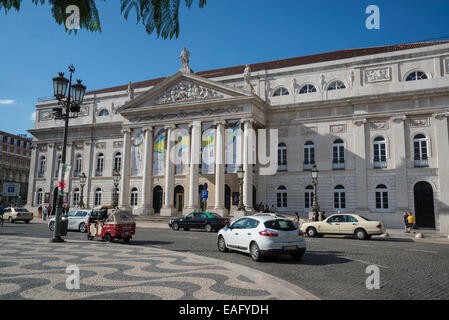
x=170, y=126
x=149, y=129
x=126, y=130
x=359, y=122
x=249, y=120
x=220, y=122
x=399, y=119
x=441, y=115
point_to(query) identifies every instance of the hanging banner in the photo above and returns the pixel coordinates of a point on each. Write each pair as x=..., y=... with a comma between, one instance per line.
x=64, y=174
x=137, y=152
x=158, y=151
x=233, y=146
x=182, y=149
x=208, y=149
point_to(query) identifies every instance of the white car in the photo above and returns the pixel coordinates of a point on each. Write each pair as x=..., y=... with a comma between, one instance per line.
x=262, y=235
x=13, y=214
x=77, y=221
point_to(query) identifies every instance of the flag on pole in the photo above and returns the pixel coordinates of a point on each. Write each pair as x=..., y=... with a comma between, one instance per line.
x=64, y=173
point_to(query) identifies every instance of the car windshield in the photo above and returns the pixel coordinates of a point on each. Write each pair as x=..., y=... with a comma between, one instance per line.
x=21, y=210
x=214, y=215
x=282, y=225
x=365, y=218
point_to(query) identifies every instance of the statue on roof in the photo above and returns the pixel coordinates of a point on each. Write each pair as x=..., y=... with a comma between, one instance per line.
x=130, y=91
x=247, y=75
x=185, y=55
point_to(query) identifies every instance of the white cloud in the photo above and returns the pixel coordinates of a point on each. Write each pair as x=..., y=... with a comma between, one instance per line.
x=7, y=101
x=33, y=116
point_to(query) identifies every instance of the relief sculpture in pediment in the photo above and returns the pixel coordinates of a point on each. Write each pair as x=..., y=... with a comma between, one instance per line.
x=185, y=91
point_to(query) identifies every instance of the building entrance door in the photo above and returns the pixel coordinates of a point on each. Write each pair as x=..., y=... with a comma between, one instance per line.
x=157, y=199
x=179, y=198
x=424, y=208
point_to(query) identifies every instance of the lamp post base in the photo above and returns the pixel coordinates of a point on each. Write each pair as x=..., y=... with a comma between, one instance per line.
x=57, y=239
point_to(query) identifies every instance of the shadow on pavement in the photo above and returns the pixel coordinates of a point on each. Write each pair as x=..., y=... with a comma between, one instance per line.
x=148, y=243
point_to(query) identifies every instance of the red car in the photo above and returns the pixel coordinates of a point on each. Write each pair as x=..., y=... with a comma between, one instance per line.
x=117, y=224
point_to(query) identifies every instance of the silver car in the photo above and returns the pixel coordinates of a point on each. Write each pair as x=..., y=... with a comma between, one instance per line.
x=13, y=214
x=77, y=221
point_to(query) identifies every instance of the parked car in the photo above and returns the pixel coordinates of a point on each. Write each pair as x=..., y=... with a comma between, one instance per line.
x=345, y=224
x=261, y=235
x=77, y=221
x=208, y=221
x=13, y=214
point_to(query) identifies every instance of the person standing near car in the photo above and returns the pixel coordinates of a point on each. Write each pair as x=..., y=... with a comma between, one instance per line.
x=45, y=213
x=39, y=212
x=296, y=220
x=411, y=222
x=406, y=221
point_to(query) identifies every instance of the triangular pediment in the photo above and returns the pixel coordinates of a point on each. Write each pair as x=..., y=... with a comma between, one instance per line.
x=183, y=88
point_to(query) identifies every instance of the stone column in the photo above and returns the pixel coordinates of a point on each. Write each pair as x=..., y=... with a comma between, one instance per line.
x=68, y=161
x=219, y=167
x=195, y=160
x=147, y=186
x=124, y=181
x=400, y=160
x=360, y=166
x=442, y=141
x=248, y=145
x=49, y=171
x=32, y=177
x=168, y=208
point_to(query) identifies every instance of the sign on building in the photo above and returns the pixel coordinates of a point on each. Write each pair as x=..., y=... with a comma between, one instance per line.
x=11, y=189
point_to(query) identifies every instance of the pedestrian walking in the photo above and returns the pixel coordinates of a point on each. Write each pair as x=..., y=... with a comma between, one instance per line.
x=45, y=213
x=411, y=222
x=273, y=210
x=296, y=220
x=405, y=221
x=49, y=210
x=39, y=212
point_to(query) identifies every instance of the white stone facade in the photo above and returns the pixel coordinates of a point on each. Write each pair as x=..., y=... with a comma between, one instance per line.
x=373, y=99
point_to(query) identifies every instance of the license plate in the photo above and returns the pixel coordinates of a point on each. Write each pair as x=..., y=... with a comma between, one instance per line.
x=290, y=247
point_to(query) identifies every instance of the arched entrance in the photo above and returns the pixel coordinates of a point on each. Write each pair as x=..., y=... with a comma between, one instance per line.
x=424, y=209
x=227, y=198
x=179, y=198
x=158, y=194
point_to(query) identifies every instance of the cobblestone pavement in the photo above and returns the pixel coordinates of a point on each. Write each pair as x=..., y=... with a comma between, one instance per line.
x=34, y=268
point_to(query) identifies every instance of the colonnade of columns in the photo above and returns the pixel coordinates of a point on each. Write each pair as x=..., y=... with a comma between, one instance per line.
x=195, y=136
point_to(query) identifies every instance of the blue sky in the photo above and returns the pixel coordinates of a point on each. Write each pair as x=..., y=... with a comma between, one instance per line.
x=33, y=48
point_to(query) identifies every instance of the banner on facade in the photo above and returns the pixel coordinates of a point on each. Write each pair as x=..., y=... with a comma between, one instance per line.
x=182, y=149
x=64, y=174
x=137, y=152
x=158, y=151
x=208, y=149
x=233, y=146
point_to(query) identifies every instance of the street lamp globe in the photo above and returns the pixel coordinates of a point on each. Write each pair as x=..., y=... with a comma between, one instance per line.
x=314, y=172
x=83, y=178
x=240, y=173
x=78, y=91
x=116, y=177
x=60, y=86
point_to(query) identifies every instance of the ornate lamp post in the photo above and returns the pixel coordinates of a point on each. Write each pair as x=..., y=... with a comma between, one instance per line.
x=240, y=174
x=83, y=179
x=116, y=177
x=315, y=206
x=69, y=107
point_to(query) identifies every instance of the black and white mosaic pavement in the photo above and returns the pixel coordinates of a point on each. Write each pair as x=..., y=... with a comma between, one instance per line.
x=34, y=268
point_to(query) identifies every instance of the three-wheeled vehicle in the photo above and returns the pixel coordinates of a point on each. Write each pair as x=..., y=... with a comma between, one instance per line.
x=110, y=223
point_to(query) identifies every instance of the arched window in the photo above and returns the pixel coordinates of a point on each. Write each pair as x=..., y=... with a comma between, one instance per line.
x=78, y=165
x=380, y=153
x=416, y=75
x=421, y=151
x=103, y=113
x=338, y=155
x=308, y=88
x=100, y=165
x=134, y=195
x=98, y=197
x=309, y=155
x=308, y=197
x=336, y=85
x=381, y=197
x=281, y=92
x=40, y=195
x=282, y=156
x=118, y=162
x=282, y=197
x=42, y=166
x=339, y=197
x=58, y=164
x=76, y=197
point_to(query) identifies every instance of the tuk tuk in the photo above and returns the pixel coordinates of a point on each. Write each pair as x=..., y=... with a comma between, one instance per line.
x=110, y=223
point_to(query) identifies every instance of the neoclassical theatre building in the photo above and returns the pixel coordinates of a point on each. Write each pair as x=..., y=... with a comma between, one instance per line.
x=373, y=120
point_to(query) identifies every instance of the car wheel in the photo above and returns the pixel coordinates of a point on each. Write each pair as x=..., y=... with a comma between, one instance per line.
x=10, y=220
x=360, y=234
x=126, y=240
x=221, y=244
x=186, y=229
x=107, y=237
x=297, y=255
x=90, y=237
x=208, y=228
x=27, y=221
x=256, y=255
x=311, y=232
x=82, y=227
x=175, y=226
x=51, y=226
